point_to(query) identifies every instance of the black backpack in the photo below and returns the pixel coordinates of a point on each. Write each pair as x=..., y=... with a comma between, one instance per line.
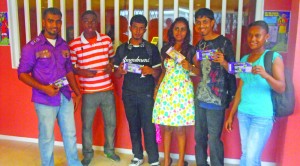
x=284, y=103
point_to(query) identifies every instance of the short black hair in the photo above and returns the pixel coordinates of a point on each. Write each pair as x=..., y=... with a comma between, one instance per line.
x=139, y=19
x=53, y=11
x=204, y=12
x=88, y=12
x=260, y=23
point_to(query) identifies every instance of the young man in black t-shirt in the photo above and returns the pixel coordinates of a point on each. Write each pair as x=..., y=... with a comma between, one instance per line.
x=138, y=89
x=215, y=89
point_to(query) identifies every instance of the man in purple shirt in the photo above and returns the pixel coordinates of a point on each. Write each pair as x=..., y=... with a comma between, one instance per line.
x=45, y=65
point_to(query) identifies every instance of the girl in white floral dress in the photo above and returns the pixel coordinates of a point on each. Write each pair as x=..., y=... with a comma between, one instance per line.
x=174, y=104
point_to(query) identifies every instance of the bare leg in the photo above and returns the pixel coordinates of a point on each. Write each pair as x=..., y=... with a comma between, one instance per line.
x=167, y=142
x=181, y=138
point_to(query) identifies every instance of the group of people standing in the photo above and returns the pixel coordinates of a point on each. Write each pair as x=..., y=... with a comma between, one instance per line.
x=162, y=93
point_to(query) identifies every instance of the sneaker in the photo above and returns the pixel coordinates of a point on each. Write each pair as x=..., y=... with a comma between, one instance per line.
x=136, y=162
x=112, y=156
x=85, y=162
x=155, y=164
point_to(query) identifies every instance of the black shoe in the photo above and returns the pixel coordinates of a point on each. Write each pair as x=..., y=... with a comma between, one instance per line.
x=85, y=162
x=186, y=163
x=112, y=156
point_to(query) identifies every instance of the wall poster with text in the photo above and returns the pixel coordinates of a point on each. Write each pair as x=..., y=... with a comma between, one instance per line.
x=278, y=22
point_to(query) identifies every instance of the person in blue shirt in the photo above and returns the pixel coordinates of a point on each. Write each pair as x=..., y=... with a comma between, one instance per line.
x=253, y=97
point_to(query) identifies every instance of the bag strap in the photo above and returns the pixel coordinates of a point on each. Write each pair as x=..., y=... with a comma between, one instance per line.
x=149, y=51
x=268, y=62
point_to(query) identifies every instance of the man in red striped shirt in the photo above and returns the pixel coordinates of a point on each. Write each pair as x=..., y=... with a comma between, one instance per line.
x=91, y=55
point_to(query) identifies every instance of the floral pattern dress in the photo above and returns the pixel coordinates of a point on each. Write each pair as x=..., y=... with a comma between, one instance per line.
x=174, y=103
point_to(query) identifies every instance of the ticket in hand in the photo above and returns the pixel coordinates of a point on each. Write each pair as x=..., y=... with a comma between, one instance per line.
x=61, y=82
x=177, y=56
x=239, y=67
x=205, y=54
x=133, y=68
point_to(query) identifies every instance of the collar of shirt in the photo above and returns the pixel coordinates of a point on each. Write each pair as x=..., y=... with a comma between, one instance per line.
x=43, y=39
x=85, y=41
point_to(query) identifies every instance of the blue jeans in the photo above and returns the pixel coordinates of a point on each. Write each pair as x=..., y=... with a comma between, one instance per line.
x=138, y=109
x=90, y=102
x=65, y=117
x=254, y=132
x=208, y=130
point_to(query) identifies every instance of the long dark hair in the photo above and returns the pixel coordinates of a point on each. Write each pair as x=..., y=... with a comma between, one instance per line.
x=187, y=38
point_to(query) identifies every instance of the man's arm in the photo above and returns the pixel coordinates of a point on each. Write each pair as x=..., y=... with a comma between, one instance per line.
x=74, y=86
x=156, y=72
x=50, y=90
x=227, y=55
x=84, y=72
x=72, y=82
x=119, y=71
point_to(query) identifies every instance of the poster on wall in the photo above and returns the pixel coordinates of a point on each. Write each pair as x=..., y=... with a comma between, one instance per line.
x=278, y=22
x=4, y=35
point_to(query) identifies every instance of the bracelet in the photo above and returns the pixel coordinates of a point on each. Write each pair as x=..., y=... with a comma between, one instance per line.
x=191, y=68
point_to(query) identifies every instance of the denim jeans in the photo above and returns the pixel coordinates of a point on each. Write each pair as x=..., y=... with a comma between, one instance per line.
x=90, y=103
x=208, y=130
x=65, y=117
x=138, y=109
x=254, y=132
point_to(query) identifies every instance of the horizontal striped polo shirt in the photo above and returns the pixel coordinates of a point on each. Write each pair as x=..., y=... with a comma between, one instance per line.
x=93, y=56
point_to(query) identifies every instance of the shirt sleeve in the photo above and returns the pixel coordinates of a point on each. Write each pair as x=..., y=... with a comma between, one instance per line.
x=117, y=57
x=275, y=55
x=69, y=66
x=111, y=53
x=27, y=60
x=228, y=51
x=156, y=59
x=73, y=54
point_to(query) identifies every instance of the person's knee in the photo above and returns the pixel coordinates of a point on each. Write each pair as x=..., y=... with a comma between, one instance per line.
x=168, y=129
x=180, y=131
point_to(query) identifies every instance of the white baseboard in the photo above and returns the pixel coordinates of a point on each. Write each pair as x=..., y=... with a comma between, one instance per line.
x=126, y=151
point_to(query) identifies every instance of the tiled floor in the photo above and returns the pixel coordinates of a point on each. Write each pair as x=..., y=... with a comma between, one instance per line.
x=15, y=153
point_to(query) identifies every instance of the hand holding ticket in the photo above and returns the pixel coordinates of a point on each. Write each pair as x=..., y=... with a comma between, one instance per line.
x=174, y=54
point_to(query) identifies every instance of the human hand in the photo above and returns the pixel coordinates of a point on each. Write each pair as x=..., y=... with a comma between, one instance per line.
x=87, y=72
x=120, y=69
x=76, y=100
x=218, y=57
x=51, y=90
x=185, y=64
x=108, y=68
x=228, y=124
x=146, y=70
x=260, y=70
